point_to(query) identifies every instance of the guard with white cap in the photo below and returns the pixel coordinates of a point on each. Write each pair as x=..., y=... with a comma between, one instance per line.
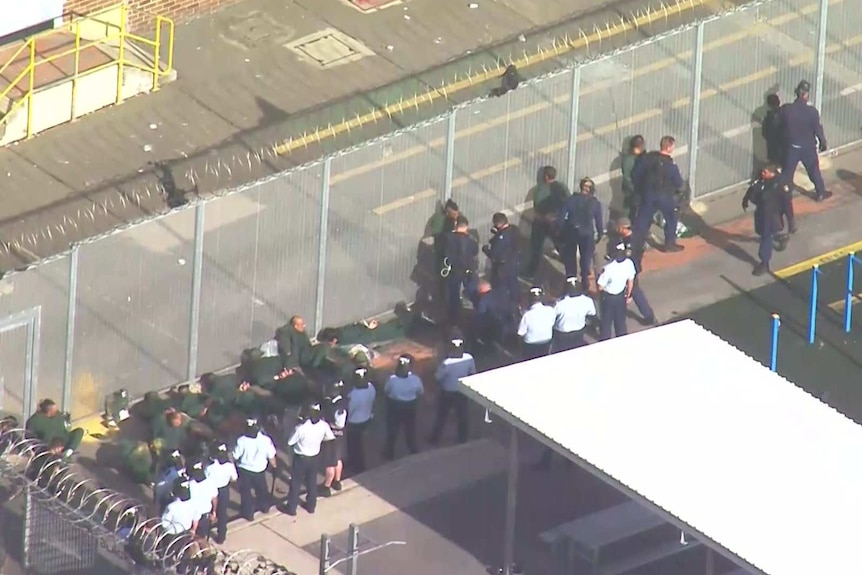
x=204, y=496
x=335, y=413
x=403, y=390
x=163, y=489
x=616, y=283
x=573, y=311
x=181, y=515
x=360, y=412
x=254, y=453
x=458, y=364
x=537, y=326
x=307, y=442
x=221, y=472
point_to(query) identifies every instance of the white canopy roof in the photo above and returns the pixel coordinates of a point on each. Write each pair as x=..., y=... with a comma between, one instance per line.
x=677, y=417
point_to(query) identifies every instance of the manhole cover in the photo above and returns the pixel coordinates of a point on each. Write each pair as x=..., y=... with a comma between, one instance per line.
x=329, y=48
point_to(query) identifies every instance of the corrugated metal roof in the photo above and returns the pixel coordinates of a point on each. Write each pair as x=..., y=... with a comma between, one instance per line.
x=694, y=426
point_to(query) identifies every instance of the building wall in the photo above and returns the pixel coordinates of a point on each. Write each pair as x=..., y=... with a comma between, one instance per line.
x=142, y=12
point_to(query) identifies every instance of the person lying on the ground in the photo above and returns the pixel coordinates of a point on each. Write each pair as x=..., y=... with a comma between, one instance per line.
x=295, y=348
x=151, y=407
x=136, y=461
x=170, y=432
x=48, y=424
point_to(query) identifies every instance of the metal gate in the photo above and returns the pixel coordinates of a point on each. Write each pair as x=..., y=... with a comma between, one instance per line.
x=19, y=361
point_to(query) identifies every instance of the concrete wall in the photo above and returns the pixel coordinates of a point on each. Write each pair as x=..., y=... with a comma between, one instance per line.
x=142, y=11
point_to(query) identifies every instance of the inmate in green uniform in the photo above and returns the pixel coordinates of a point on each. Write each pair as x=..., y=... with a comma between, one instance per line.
x=168, y=437
x=137, y=461
x=295, y=349
x=50, y=427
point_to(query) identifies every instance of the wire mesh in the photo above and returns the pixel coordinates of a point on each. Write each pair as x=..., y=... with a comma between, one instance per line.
x=45, y=287
x=841, y=108
x=259, y=264
x=68, y=516
x=380, y=200
x=133, y=302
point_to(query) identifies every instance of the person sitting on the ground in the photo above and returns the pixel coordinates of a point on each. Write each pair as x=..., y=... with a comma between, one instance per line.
x=192, y=401
x=287, y=385
x=170, y=432
x=295, y=348
x=151, y=407
x=137, y=461
x=228, y=393
x=48, y=424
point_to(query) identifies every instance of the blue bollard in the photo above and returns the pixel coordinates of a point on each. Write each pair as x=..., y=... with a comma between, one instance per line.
x=776, y=324
x=812, y=309
x=848, y=301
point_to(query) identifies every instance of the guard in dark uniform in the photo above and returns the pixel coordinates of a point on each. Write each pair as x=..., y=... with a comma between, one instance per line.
x=767, y=196
x=460, y=267
x=657, y=178
x=803, y=137
x=494, y=318
x=442, y=224
x=635, y=248
x=547, y=201
x=770, y=129
x=581, y=227
x=503, y=251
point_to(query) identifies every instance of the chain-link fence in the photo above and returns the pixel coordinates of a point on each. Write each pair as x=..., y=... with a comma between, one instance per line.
x=341, y=239
x=71, y=525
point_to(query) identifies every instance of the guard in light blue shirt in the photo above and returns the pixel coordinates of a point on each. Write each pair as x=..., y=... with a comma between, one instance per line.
x=537, y=326
x=616, y=284
x=254, y=453
x=458, y=364
x=403, y=390
x=573, y=311
x=360, y=412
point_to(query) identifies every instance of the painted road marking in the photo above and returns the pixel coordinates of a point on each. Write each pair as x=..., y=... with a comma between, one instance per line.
x=585, y=136
x=820, y=260
x=559, y=49
x=685, y=57
x=840, y=305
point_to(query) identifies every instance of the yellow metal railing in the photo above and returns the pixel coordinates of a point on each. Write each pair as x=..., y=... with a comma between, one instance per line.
x=103, y=28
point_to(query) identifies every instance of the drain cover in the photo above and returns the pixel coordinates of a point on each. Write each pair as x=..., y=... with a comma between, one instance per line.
x=329, y=48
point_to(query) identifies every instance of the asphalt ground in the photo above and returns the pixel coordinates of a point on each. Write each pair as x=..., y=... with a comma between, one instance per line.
x=829, y=368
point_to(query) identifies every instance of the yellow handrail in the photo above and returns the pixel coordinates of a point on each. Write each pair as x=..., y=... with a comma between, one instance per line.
x=116, y=36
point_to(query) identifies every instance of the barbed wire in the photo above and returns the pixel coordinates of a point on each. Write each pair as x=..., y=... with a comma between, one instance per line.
x=120, y=524
x=146, y=202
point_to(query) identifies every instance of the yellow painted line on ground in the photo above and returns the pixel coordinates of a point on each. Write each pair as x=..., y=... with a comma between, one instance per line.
x=582, y=41
x=656, y=66
x=386, y=208
x=820, y=260
x=840, y=305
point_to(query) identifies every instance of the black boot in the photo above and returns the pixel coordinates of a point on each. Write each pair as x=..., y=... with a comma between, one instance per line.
x=760, y=269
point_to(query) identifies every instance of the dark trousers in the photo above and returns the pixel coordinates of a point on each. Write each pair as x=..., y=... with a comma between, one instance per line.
x=221, y=511
x=809, y=158
x=453, y=292
x=564, y=341
x=250, y=482
x=505, y=278
x=613, y=315
x=640, y=299
x=446, y=402
x=667, y=205
x=540, y=231
x=535, y=350
x=632, y=203
x=579, y=246
x=303, y=471
x=400, y=415
x=356, y=445
x=787, y=209
x=766, y=228
x=204, y=525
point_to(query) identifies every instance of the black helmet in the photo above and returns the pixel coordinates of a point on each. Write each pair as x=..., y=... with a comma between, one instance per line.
x=536, y=294
x=360, y=377
x=404, y=365
x=181, y=489
x=219, y=451
x=251, y=427
x=803, y=88
x=197, y=470
x=573, y=286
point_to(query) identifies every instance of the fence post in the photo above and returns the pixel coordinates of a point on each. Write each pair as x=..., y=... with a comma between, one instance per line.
x=195, y=308
x=573, y=127
x=820, y=68
x=852, y=260
x=321, y=249
x=812, y=308
x=694, y=135
x=71, y=311
x=773, y=356
x=450, y=155
x=352, y=549
x=324, y=554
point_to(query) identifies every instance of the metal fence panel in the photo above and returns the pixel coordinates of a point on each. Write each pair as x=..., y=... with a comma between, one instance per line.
x=644, y=91
x=748, y=55
x=841, y=109
x=45, y=286
x=55, y=544
x=501, y=143
x=259, y=264
x=380, y=200
x=133, y=303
